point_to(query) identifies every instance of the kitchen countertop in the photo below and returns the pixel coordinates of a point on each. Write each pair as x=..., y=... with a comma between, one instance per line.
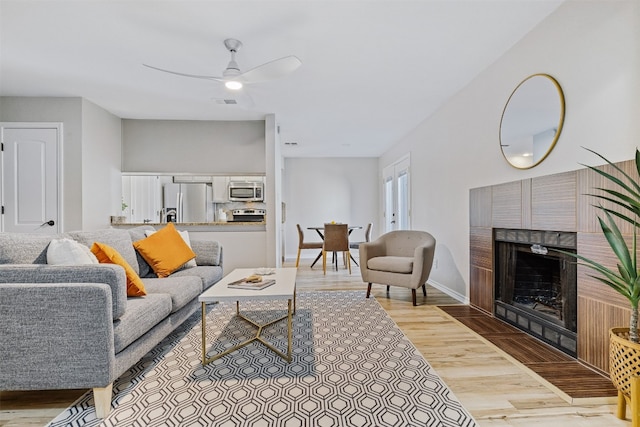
x=202, y=226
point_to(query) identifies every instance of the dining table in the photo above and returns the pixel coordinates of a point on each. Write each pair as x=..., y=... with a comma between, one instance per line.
x=320, y=230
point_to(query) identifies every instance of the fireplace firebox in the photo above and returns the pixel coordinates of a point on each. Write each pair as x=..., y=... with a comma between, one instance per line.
x=535, y=284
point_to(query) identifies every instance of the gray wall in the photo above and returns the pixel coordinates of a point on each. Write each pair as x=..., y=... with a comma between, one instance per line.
x=193, y=146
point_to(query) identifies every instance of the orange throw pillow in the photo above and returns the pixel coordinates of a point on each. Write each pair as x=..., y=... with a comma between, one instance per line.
x=165, y=250
x=107, y=255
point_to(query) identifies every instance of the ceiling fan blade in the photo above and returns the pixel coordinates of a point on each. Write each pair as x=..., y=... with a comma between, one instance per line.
x=271, y=70
x=218, y=79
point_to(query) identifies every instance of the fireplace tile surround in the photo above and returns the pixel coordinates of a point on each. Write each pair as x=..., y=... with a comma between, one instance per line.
x=551, y=203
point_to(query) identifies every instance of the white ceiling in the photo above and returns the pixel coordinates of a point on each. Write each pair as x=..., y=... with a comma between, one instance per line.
x=372, y=70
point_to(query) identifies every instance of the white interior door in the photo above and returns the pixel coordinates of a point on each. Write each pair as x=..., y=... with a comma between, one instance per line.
x=396, y=189
x=30, y=182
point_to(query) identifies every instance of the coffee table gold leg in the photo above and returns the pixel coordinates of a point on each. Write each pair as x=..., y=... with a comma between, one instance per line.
x=289, y=317
x=204, y=333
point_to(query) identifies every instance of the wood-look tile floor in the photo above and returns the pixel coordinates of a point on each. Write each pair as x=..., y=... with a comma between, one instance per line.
x=572, y=378
x=496, y=389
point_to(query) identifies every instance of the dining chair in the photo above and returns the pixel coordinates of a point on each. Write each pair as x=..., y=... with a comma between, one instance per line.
x=305, y=245
x=336, y=239
x=367, y=238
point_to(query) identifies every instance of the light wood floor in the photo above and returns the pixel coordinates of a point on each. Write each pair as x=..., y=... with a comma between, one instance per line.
x=497, y=390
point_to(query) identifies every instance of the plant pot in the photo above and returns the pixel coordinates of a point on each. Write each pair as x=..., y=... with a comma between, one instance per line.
x=118, y=219
x=624, y=369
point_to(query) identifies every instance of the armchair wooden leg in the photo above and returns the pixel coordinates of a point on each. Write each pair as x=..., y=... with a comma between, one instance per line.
x=368, y=290
x=102, y=400
x=413, y=296
x=387, y=288
x=424, y=289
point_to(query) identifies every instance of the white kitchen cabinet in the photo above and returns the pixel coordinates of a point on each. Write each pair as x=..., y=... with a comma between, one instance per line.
x=142, y=194
x=249, y=178
x=220, y=185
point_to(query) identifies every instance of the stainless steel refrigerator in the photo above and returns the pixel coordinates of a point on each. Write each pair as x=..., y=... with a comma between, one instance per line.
x=190, y=201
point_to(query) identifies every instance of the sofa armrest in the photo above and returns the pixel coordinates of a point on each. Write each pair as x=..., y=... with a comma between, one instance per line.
x=208, y=252
x=109, y=274
x=55, y=336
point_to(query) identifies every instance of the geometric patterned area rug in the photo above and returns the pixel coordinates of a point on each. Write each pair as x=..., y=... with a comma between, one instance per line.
x=351, y=366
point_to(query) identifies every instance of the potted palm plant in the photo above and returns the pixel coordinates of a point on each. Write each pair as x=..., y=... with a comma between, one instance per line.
x=624, y=349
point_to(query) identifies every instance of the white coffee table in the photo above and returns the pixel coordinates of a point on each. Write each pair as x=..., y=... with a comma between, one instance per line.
x=284, y=288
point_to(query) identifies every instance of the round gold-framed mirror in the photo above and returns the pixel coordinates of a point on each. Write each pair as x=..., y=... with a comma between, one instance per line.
x=532, y=121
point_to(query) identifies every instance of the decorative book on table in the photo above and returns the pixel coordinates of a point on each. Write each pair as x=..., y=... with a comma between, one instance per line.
x=246, y=283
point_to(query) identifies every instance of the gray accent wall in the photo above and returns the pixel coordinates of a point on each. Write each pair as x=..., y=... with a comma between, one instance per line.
x=192, y=146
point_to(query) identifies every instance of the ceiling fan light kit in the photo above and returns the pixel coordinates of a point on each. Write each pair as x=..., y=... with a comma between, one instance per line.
x=233, y=85
x=234, y=79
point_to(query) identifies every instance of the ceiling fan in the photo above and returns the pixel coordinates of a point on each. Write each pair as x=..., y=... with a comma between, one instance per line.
x=234, y=79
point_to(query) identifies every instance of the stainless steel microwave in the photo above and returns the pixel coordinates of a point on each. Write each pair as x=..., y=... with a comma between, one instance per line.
x=241, y=191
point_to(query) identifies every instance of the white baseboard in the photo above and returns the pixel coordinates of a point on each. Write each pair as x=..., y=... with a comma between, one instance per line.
x=453, y=294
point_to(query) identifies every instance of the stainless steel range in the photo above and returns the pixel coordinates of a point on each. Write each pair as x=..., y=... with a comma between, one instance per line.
x=248, y=215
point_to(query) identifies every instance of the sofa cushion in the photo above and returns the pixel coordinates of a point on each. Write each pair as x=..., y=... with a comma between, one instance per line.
x=67, y=251
x=24, y=248
x=208, y=252
x=208, y=274
x=120, y=240
x=181, y=290
x=394, y=264
x=165, y=250
x=138, y=233
x=142, y=314
x=185, y=236
x=106, y=254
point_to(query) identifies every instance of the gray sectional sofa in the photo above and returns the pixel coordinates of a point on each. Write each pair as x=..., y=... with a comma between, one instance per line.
x=73, y=327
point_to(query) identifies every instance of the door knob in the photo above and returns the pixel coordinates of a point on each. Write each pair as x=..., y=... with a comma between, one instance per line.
x=50, y=223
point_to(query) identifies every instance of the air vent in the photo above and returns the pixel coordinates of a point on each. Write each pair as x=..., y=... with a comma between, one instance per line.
x=226, y=101
x=291, y=144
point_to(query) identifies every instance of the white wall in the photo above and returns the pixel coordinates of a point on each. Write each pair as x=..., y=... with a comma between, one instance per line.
x=592, y=49
x=193, y=146
x=319, y=190
x=273, y=192
x=101, y=156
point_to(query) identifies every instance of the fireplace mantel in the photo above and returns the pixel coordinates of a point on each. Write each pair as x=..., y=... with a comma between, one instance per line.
x=558, y=202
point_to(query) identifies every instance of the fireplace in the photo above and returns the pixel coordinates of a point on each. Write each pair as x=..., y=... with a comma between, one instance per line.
x=535, y=285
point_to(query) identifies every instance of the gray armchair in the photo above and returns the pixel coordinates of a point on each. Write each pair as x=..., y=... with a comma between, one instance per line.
x=399, y=258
